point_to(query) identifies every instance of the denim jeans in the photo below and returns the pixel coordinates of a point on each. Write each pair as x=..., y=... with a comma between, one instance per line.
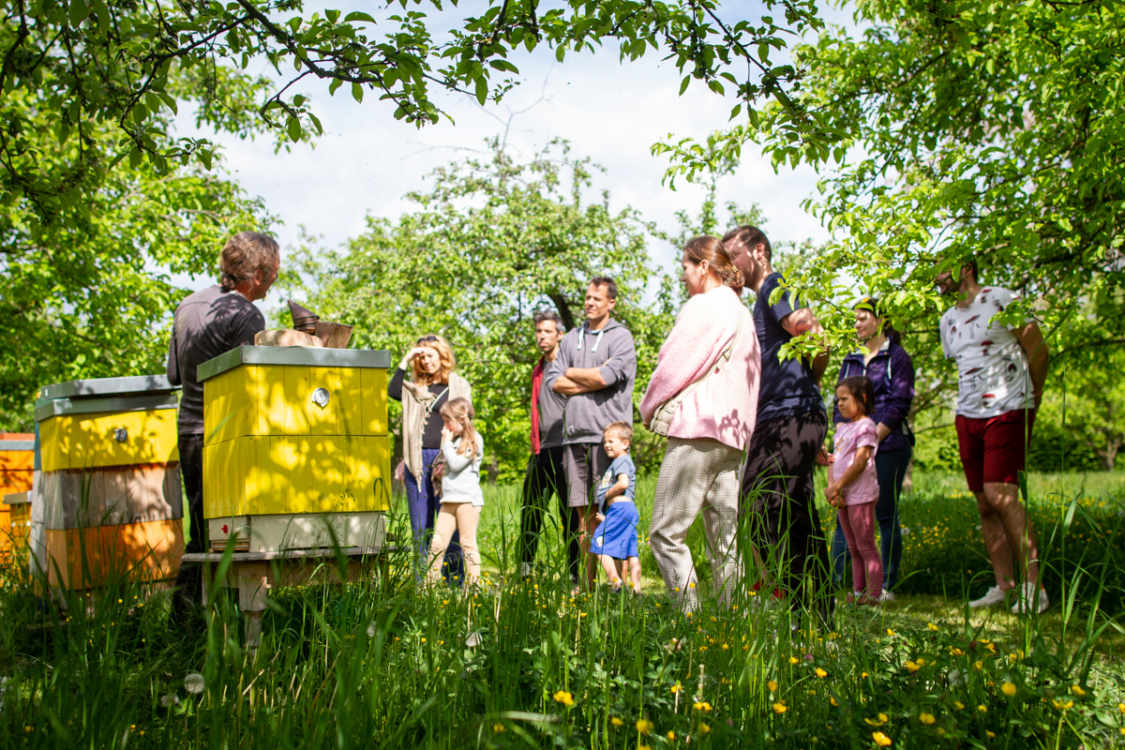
x=424, y=507
x=890, y=468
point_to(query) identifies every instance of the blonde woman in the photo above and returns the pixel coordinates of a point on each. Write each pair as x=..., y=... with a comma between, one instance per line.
x=461, y=498
x=433, y=384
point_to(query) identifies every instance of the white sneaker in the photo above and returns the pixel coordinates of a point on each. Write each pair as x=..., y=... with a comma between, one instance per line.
x=992, y=597
x=887, y=596
x=1027, y=593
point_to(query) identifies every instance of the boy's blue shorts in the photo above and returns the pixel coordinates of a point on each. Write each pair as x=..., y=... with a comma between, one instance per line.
x=616, y=536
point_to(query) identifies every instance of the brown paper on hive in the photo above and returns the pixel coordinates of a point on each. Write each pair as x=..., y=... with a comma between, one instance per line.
x=308, y=330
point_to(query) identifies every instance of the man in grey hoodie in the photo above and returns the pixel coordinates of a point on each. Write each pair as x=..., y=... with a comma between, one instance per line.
x=596, y=366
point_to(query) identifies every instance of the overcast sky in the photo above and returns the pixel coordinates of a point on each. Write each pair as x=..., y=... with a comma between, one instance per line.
x=612, y=112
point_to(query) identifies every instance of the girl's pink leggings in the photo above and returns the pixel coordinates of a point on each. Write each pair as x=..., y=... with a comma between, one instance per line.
x=858, y=523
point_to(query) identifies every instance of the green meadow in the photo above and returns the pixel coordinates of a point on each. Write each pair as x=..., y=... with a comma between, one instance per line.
x=516, y=663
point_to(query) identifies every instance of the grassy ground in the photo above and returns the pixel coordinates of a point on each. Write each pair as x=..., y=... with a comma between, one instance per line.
x=525, y=664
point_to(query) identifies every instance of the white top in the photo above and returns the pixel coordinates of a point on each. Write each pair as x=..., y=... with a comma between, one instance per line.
x=994, y=376
x=461, y=481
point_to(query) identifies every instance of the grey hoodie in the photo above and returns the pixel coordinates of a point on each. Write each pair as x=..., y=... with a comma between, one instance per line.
x=587, y=414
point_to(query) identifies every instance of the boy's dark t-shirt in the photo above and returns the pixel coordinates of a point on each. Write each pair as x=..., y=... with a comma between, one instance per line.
x=208, y=323
x=788, y=387
x=623, y=464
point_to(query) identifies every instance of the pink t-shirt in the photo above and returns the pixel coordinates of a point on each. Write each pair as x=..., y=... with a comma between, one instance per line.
x=851, y=436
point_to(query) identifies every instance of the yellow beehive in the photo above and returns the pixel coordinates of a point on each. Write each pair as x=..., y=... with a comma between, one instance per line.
x=17, y=463
x=295, y=442
x=109, y=481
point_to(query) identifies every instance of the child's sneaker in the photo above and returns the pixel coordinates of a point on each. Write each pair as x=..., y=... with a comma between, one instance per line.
x=991, y=598
x=1031, y=596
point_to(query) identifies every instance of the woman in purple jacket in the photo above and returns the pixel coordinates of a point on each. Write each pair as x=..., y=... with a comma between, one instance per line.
x=886, y=363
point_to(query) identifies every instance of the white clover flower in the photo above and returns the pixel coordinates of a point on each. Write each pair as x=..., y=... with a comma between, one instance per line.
x=372, y=630
x=169, y=699
x=956, y=677
x=473, y=640
x=193, y=683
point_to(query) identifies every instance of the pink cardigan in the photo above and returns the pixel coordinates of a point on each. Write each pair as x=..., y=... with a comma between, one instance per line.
x=725, y=406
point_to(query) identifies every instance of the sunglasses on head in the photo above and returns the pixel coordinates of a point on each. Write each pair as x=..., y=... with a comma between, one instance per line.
x=431, y=337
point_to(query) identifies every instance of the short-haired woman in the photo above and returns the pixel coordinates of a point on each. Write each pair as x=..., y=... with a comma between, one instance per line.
x=433, y=383
x=891, y=371
x=704, y=396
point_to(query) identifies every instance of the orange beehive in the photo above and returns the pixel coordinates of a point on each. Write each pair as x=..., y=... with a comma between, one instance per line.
x=17, y=463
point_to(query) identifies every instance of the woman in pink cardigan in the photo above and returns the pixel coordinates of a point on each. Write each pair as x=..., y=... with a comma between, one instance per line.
x=712, y=353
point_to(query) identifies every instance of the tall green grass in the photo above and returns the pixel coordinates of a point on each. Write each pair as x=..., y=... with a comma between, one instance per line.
x=514, y=663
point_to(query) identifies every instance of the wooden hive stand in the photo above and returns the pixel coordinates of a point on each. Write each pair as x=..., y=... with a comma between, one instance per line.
x=254, y=574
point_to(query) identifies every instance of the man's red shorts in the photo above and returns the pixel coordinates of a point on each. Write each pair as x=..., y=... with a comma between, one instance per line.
x=994, y=449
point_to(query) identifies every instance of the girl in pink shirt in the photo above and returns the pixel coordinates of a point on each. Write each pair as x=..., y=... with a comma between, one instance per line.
x=853, y=486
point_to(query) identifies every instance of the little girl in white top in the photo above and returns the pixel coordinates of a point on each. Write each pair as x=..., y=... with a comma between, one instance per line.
x=461, y=496
x=853, y=486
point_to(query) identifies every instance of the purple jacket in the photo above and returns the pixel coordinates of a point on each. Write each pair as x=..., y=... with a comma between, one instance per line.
x=892, y=373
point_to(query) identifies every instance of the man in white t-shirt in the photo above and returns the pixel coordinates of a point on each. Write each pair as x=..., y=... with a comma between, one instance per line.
x=1002, y=371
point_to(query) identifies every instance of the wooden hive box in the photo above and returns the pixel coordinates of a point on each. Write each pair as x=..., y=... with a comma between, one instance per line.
x=109, y=481
x=296, y=448
x=17, y=466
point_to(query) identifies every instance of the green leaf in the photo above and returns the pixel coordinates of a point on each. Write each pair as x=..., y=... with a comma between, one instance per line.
x=78, y=12
x=684, y=84
x=357, y=92
x=481, y=85
x=357, y=15
x=293, y=126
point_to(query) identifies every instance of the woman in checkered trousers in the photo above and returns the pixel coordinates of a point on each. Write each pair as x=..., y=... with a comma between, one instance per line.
x=711, y=363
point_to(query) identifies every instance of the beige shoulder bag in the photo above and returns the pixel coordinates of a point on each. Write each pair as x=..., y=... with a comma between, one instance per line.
x=662, y=417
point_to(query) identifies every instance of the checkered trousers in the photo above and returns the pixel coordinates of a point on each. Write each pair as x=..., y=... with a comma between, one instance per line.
x=697, y=475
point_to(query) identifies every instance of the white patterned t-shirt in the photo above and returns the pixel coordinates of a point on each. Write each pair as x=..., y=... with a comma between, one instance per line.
x=994, y=376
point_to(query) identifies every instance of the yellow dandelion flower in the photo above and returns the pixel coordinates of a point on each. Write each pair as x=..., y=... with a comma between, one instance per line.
x=878, y=721
x=1077, y=690
x=982, y=709
x=794, y=660
x=890, y=632
x=1008, y=689
x=990, y=735
x=926, y=719
x=958, y=705
x=704, y=729
x=833, y=701
x=773, y=686
x=644, y=726
x=671, y=736
x=913, y=666
x=498, y=728
x=881, y=739
x=677, y=687
x=821, y=673
x=564, y=698
x=931, y=626
x=616, y=722
x=702, y=706
x=956, y=651
x=780, y=707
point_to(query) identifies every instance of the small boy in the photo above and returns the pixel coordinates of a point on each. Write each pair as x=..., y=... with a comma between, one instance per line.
x=615, y=539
